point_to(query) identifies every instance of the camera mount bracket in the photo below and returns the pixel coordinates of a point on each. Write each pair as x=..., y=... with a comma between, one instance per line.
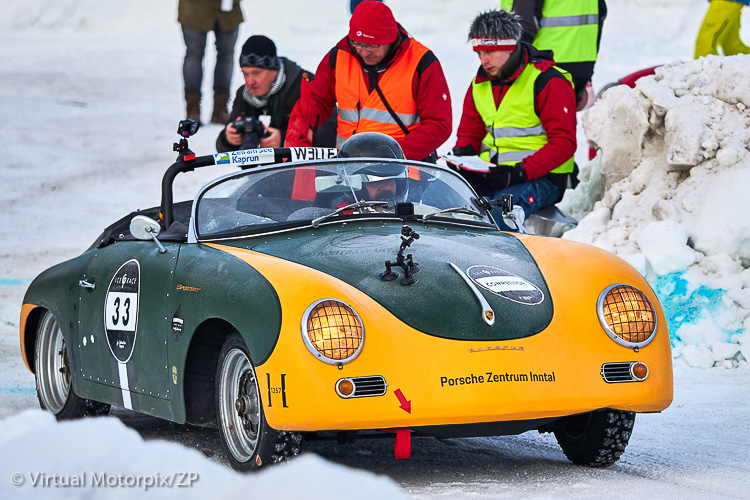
x=185, y=129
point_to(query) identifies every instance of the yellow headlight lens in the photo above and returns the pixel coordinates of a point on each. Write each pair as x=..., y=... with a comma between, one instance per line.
x=332, y=331
x=627, y=315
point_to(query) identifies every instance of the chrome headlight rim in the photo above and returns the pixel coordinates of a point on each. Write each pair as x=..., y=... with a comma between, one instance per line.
x=610, y=333
x=313, y=350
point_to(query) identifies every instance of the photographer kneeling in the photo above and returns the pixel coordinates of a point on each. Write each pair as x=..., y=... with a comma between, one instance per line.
x=261, y=108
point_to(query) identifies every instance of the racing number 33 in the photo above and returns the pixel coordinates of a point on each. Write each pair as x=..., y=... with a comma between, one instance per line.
x=121, y=310
x=115, y=317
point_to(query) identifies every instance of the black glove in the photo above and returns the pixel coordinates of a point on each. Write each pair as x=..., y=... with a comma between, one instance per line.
x=465, y=151
x=504, y=176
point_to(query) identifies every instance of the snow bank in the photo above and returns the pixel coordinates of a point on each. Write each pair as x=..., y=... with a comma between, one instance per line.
x=669, y=193
x=102, y=458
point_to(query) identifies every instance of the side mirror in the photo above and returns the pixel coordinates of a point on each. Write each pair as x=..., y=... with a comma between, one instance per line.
x=146, y=228
x=513, y=215
x=142, y=227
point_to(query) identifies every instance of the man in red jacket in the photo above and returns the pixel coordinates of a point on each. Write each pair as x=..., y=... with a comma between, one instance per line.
x=520, y=114
x=382, y=81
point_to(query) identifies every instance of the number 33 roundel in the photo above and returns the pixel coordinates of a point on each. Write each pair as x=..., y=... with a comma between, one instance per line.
x=121, y=310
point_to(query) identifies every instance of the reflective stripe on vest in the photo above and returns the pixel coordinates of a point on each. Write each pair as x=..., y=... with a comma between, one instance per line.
x=514, y=131
x=363, y=111
x=570, y=28
x=556, y=22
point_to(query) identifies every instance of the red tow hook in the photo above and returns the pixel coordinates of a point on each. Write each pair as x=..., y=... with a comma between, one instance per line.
x=402, y=446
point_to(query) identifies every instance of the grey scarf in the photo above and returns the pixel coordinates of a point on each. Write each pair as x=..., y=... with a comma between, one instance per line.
x=262, y=101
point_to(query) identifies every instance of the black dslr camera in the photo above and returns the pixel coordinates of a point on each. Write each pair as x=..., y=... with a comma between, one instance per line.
x=252, y=130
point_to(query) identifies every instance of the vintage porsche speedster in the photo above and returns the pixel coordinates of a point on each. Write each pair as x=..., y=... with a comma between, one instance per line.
x=346, y=295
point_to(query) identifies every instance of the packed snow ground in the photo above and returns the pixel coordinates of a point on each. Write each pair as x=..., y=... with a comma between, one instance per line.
x=90, y=96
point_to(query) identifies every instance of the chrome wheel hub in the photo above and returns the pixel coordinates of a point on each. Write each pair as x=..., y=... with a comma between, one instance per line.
x=52, y=369
x=239, y=405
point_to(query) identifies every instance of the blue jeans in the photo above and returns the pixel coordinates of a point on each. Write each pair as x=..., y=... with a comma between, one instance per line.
x=195, y=48
x=531, y=196
x=353, y=5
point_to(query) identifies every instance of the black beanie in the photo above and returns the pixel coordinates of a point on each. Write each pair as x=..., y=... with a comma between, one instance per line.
x=259, y=52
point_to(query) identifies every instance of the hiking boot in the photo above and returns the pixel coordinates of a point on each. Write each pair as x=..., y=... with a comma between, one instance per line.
x=193, y=107
x=220, y=114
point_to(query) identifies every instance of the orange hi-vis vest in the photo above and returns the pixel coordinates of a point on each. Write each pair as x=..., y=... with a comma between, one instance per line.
x=363, y=111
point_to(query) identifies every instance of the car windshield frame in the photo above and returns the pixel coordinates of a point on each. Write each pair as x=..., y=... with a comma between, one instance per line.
x=336, y=182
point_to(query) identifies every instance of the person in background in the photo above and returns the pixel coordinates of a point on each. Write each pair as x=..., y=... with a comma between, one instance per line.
x=519, y=114
x=572, y=29
x=721, y=28
x=197, y=18
x=383, y=80
x=353, y=4
x=272, y=88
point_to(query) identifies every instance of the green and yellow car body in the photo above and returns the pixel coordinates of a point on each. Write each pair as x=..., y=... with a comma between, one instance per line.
x=428, y=340
x=444, y=364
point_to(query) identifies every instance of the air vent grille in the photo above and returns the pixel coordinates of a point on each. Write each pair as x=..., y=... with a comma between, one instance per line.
x=369, y=386
x=617, y=372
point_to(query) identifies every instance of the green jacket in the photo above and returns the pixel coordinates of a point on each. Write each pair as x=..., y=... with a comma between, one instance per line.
x=202, y=15
x=568, y=27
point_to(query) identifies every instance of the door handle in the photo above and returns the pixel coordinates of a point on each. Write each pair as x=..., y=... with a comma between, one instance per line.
x=86, y=284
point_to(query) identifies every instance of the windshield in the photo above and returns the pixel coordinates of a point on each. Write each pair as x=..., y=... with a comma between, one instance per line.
x=264, y=199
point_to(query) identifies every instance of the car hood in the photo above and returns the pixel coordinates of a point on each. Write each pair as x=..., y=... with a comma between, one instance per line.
x=441, y=302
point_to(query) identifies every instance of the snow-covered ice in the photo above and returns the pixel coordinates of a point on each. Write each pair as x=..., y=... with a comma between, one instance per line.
x=101, y=458
x=90, y=95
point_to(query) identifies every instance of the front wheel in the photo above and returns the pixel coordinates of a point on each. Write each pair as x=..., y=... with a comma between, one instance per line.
x=595, y=439
x=248, y=441
x=53, y=377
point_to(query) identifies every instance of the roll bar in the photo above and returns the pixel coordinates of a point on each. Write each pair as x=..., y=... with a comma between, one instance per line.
x=248, y=158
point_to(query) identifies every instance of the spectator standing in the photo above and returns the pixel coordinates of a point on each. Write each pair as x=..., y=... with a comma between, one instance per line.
x=721, y=29
x=197, y=18
x=383, y=80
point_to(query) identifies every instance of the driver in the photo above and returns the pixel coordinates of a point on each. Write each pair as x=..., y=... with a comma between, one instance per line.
x=379, y=181
x=384, y=182
x=384, y=190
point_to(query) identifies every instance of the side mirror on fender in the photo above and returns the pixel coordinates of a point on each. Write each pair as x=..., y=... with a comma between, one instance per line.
x=146, y=228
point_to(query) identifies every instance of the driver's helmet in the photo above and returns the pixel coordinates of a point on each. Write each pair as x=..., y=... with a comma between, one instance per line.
x=371, y=145
x=377, y=145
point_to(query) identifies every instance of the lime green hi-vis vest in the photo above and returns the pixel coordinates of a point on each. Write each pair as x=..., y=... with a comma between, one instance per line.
x=514, y=131
x=568, y=27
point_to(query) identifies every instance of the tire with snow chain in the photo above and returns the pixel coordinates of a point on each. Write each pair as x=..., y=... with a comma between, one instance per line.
x=248, y=441
x=54, y=387
x=595, y=439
